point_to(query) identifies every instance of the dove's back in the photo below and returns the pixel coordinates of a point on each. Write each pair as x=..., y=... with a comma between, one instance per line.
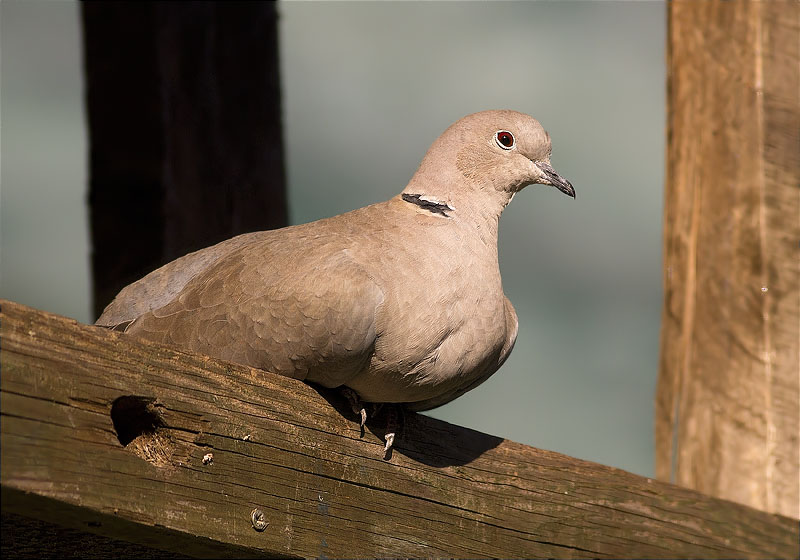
x=162, y=285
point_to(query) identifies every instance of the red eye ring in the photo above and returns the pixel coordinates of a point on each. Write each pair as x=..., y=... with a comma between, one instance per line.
x=504, y=139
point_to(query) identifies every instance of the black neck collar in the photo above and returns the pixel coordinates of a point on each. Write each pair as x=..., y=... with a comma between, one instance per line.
x=431, y=206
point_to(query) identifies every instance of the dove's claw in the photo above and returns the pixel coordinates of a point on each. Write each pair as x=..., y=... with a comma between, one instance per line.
x=356, y=404
x=389, y=443
x=394, y=422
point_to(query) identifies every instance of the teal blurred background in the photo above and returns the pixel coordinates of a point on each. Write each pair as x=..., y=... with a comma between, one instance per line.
x=367, y=86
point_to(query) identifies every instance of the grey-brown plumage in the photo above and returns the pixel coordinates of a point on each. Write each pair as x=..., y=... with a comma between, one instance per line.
x=401, y=301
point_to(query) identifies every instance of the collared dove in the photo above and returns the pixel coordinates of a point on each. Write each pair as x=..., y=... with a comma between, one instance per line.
x=400, y=301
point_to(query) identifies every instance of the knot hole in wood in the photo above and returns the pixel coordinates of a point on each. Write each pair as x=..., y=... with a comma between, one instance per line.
x=140, y=429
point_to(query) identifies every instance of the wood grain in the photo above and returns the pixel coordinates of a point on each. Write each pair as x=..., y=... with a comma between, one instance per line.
x=280, y=446
x=728, y=401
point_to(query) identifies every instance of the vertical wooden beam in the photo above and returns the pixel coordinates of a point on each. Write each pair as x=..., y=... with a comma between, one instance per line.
x=126, y=144
x=185, y=131
x=728, y=398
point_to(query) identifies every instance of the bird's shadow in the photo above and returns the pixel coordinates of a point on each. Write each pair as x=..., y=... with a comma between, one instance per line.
x=430, y=441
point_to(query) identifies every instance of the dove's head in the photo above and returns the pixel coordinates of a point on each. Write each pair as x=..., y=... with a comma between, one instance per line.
x=489, y=155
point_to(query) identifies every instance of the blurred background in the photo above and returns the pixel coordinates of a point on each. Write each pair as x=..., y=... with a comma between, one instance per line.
x=367, y=86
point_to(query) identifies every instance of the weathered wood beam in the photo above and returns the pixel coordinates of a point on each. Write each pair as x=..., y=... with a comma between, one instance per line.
x=109, y=433
x=727, y=413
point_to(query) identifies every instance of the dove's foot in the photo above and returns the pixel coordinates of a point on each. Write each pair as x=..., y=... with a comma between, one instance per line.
x=394, y=423
x=356, y=404
x=394, y=417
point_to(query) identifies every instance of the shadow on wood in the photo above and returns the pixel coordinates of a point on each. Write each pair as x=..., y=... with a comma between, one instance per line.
x=425, y=444
x=209, y=442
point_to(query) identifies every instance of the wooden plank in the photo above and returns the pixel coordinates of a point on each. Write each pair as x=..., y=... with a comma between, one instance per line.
x=727, y=414
x=280, y=446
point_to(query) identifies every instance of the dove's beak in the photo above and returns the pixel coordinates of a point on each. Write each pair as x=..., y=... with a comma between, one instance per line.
x=554, y=179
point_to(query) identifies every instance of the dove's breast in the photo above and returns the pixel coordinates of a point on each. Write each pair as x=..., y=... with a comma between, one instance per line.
x=443, y=324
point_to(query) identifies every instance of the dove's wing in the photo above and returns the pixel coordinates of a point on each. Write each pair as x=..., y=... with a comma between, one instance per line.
x=300, y=309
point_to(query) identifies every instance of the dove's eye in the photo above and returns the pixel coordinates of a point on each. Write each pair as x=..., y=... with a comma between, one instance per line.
x=504, y=139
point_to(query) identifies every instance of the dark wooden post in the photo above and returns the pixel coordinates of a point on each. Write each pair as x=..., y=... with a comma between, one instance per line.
x=185, y=131
x=728, y=402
